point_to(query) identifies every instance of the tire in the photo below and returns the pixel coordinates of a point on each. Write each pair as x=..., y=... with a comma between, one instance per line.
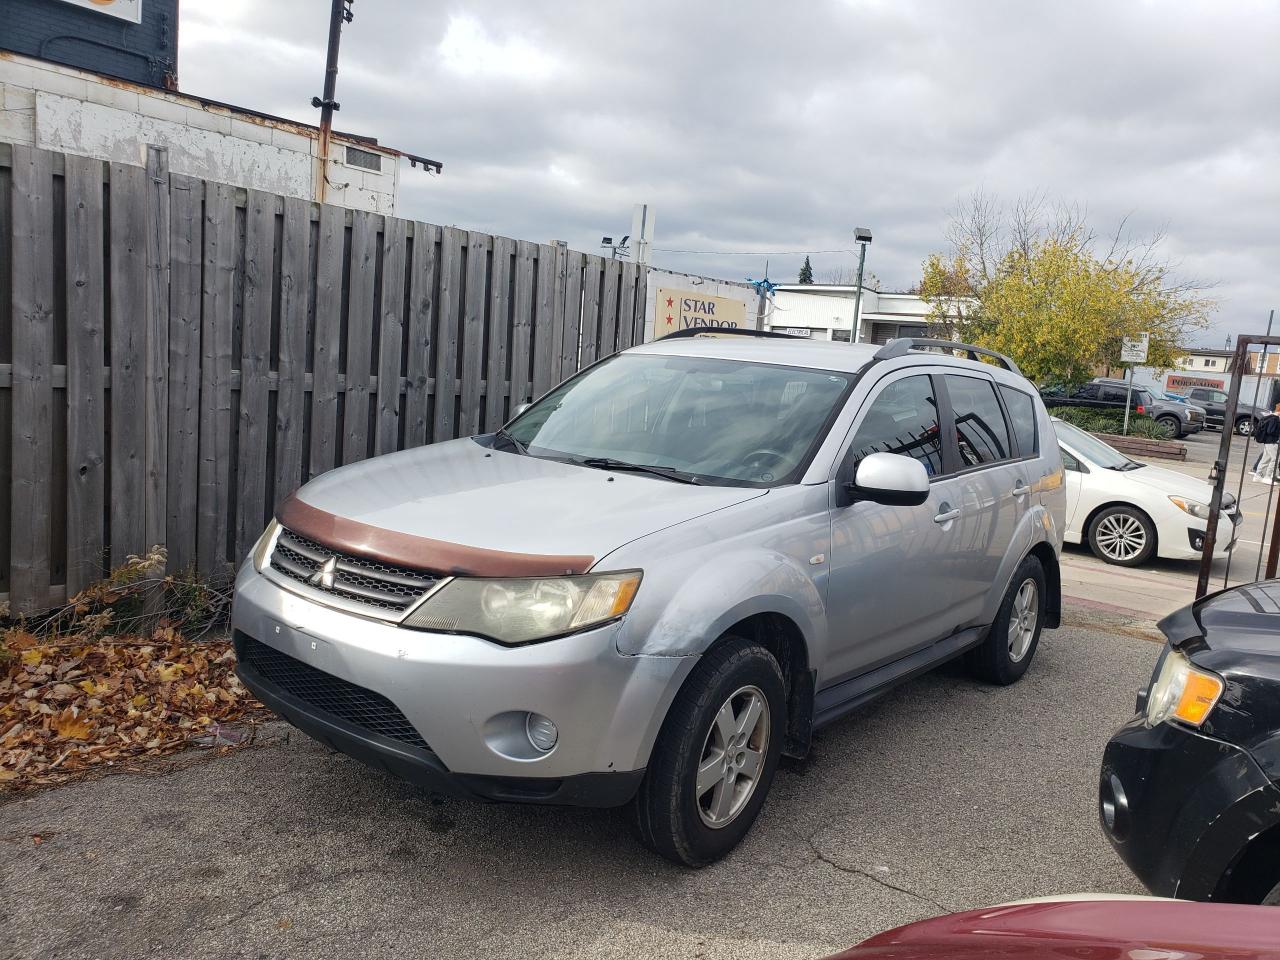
x=1244, y=426
x=1272, y=899
x=671, y=817
x=1013, y=637
x=1171, y=426
x=1122, y=535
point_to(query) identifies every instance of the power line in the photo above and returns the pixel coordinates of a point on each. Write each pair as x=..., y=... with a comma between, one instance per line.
x=750, y=253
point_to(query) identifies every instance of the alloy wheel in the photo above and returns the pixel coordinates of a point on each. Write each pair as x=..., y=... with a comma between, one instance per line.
x=1121, y=536
x=1169, y=428
x=1023, y=618
x=732, y=757
x=1244, y=427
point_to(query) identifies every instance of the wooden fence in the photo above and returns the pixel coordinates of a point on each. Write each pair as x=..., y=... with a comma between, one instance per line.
x=177, y=356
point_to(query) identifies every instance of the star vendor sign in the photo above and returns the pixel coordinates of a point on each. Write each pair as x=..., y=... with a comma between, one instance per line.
x=682, y=309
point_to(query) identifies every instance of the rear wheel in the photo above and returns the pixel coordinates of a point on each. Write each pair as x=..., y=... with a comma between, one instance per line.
x=1244, y=426
x=1122, y=535
x=1014, y=635
x=1169, y=426
x=715, y=757
x=1272, y=899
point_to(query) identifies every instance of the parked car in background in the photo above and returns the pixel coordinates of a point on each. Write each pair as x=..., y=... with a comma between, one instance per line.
x=1128, y=511
x=1084, y=926
x=663, y=575
x=1189, y=792
x=1214, y=402
x=1175, y=419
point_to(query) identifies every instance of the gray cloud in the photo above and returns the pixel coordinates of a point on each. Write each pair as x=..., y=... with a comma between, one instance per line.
x=764, y=126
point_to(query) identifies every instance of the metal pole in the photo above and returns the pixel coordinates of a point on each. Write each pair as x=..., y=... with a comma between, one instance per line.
x=857, y=302
x=1128, y=397
x=337, y=16
x=1219, y=473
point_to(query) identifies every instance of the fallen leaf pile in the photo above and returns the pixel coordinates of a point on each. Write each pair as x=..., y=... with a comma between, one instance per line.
x=77, y=704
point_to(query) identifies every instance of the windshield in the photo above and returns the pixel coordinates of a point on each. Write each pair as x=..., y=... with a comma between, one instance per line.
x=719, y=420
x=1090, y=447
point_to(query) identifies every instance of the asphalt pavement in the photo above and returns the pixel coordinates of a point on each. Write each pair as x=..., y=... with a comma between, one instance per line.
x=947, y=794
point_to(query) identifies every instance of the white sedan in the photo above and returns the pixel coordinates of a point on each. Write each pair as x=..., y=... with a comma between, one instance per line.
x=1128, y=511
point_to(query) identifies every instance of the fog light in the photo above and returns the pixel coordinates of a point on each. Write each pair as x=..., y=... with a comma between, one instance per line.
x=542, y=733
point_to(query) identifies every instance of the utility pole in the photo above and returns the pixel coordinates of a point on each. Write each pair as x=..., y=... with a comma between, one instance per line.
x=339, y=13
x=863, y=236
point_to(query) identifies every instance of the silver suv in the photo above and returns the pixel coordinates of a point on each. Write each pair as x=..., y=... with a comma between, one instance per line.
x=664, y=575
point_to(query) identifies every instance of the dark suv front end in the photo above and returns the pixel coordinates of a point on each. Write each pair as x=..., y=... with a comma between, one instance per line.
x=1187, y=792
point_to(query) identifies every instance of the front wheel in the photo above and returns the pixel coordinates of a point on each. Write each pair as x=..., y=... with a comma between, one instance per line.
x=1170, y=427
x=715, y=758
x=1244, y=426
x=1123, y=536
x=1011, y=641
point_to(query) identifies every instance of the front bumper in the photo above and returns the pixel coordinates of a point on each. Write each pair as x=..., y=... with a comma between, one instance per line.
x=459, y=695
x=1179, y=806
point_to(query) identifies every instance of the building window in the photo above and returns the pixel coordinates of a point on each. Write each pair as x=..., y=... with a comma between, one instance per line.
x=364, y=159
x=841, y=335
x=1210, y=362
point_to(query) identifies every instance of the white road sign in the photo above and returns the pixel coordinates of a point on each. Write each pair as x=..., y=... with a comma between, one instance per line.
x=1134, y=349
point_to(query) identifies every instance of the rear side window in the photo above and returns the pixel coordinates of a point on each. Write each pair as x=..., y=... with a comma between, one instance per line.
x=981, y=433
x=1112, y=394
x=903, y=418
x=1022, y=417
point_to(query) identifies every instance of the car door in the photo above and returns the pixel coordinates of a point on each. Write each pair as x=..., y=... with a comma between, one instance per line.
x=889, y=590
x=991, y=489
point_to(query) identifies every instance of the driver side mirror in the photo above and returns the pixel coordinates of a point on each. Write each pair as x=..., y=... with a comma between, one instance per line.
x=889, y=478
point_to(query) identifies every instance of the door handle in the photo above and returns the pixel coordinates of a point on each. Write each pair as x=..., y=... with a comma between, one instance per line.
x=1021, y=489
x=946, y=516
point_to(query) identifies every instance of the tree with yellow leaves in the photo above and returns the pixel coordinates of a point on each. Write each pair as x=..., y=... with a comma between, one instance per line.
x=1037, y=288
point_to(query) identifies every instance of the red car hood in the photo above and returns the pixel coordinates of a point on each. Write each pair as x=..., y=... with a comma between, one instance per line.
x=1095, y=929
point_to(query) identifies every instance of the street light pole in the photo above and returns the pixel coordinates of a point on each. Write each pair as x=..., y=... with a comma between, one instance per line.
x=863, y=236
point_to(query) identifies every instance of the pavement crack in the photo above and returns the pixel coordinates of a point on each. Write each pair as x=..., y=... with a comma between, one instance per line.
x=859, y=872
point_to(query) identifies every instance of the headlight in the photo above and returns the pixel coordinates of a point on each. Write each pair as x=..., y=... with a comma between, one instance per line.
x=514, y=611
x=1182, y=692
x=1194, y=507
x=262, y=549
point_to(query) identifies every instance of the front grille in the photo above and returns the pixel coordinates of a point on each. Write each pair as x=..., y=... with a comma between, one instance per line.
x=385, y=587
x=328, y=694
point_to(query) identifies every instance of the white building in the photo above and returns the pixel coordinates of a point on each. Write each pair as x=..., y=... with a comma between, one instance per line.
x=825, y=312
x=63, y=108
x=1206, y=360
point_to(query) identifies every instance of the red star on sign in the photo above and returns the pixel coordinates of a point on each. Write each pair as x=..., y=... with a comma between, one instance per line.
x=668, y=318
x=669, y=305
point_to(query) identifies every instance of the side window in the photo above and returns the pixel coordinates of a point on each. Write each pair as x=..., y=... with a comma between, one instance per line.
x=1086, y=391
x=903, y=418
x=1022, y=415
x=981, y=433
x=1068, y=461
x=1112, y=394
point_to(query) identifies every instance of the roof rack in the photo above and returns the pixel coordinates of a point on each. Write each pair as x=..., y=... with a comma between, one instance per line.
x=901, y=346
x=732, y=331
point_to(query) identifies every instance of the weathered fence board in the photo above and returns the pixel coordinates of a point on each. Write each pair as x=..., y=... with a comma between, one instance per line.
x=295, y=275
x=222, y=346
x=186, y=216
x=33, y=317
x=127, y=318
x=86, y=389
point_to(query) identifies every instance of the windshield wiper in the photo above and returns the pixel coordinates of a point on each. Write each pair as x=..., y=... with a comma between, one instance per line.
x=667, y=473
x=505, y=434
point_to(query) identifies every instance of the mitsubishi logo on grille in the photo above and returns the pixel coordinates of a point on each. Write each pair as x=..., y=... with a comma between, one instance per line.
x=323, y=578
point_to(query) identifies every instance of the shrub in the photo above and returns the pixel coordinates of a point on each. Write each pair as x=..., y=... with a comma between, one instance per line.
x=1104, y=421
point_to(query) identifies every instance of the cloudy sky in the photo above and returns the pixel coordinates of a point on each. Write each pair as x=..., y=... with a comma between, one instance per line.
x=772, y=128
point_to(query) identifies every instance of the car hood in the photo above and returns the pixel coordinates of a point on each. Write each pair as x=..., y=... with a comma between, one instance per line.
x=1084, y=926
x=1244, y=619
x=1171, y=482
x=493, y=502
